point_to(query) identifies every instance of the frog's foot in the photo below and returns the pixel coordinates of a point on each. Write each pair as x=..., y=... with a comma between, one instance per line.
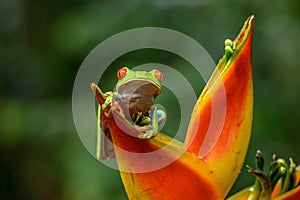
x=110, y=94
x=114, y=106
x=144, y=131
x=110, y=99
x=147, y=135
x=110, y=103
x=107, y=104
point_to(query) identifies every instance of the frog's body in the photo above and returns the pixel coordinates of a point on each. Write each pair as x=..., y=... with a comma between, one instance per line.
x=136, y=92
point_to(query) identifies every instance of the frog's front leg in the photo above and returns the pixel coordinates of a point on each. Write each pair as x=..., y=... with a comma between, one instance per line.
x=157, y=117
x=110, y=98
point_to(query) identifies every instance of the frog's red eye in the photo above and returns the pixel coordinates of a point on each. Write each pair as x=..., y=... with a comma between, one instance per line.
x=121, y=73
x=158, y=75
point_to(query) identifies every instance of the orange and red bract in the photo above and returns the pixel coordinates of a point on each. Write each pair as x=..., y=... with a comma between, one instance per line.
x=235, y=133
x=291, y=195
x=185, y=178
x=189, y=176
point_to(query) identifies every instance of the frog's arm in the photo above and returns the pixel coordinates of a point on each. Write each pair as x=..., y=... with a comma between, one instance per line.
x=157, y=117
x=154, y=122
x=110, y=97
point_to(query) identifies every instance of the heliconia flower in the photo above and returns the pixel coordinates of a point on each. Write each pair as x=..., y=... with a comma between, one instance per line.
x=248, y=194
x=281, y=182
x=207, y=164
x=293, y=194
x=223, y=142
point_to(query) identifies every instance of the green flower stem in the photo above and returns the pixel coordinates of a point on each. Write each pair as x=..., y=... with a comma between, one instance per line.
x=266, y=190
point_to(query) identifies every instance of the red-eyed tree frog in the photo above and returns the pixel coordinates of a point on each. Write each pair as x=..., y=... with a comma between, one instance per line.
x=135, y=93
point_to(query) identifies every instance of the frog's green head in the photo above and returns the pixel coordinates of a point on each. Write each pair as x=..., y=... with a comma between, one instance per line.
x=129, y=77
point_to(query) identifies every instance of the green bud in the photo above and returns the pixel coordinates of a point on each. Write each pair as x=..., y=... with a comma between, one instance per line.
x=228, y=42
x=276, y=176
x=259, y=160
x=292, y=173
x=264, y=181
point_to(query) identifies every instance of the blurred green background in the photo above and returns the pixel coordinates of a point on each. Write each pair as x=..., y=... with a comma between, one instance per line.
x=43, y=43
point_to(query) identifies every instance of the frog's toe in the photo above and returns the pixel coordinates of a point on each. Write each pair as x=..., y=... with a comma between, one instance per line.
x=148, y=135
x=142, y=136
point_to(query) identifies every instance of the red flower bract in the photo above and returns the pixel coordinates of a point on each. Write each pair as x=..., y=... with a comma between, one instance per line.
x=200, y=168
